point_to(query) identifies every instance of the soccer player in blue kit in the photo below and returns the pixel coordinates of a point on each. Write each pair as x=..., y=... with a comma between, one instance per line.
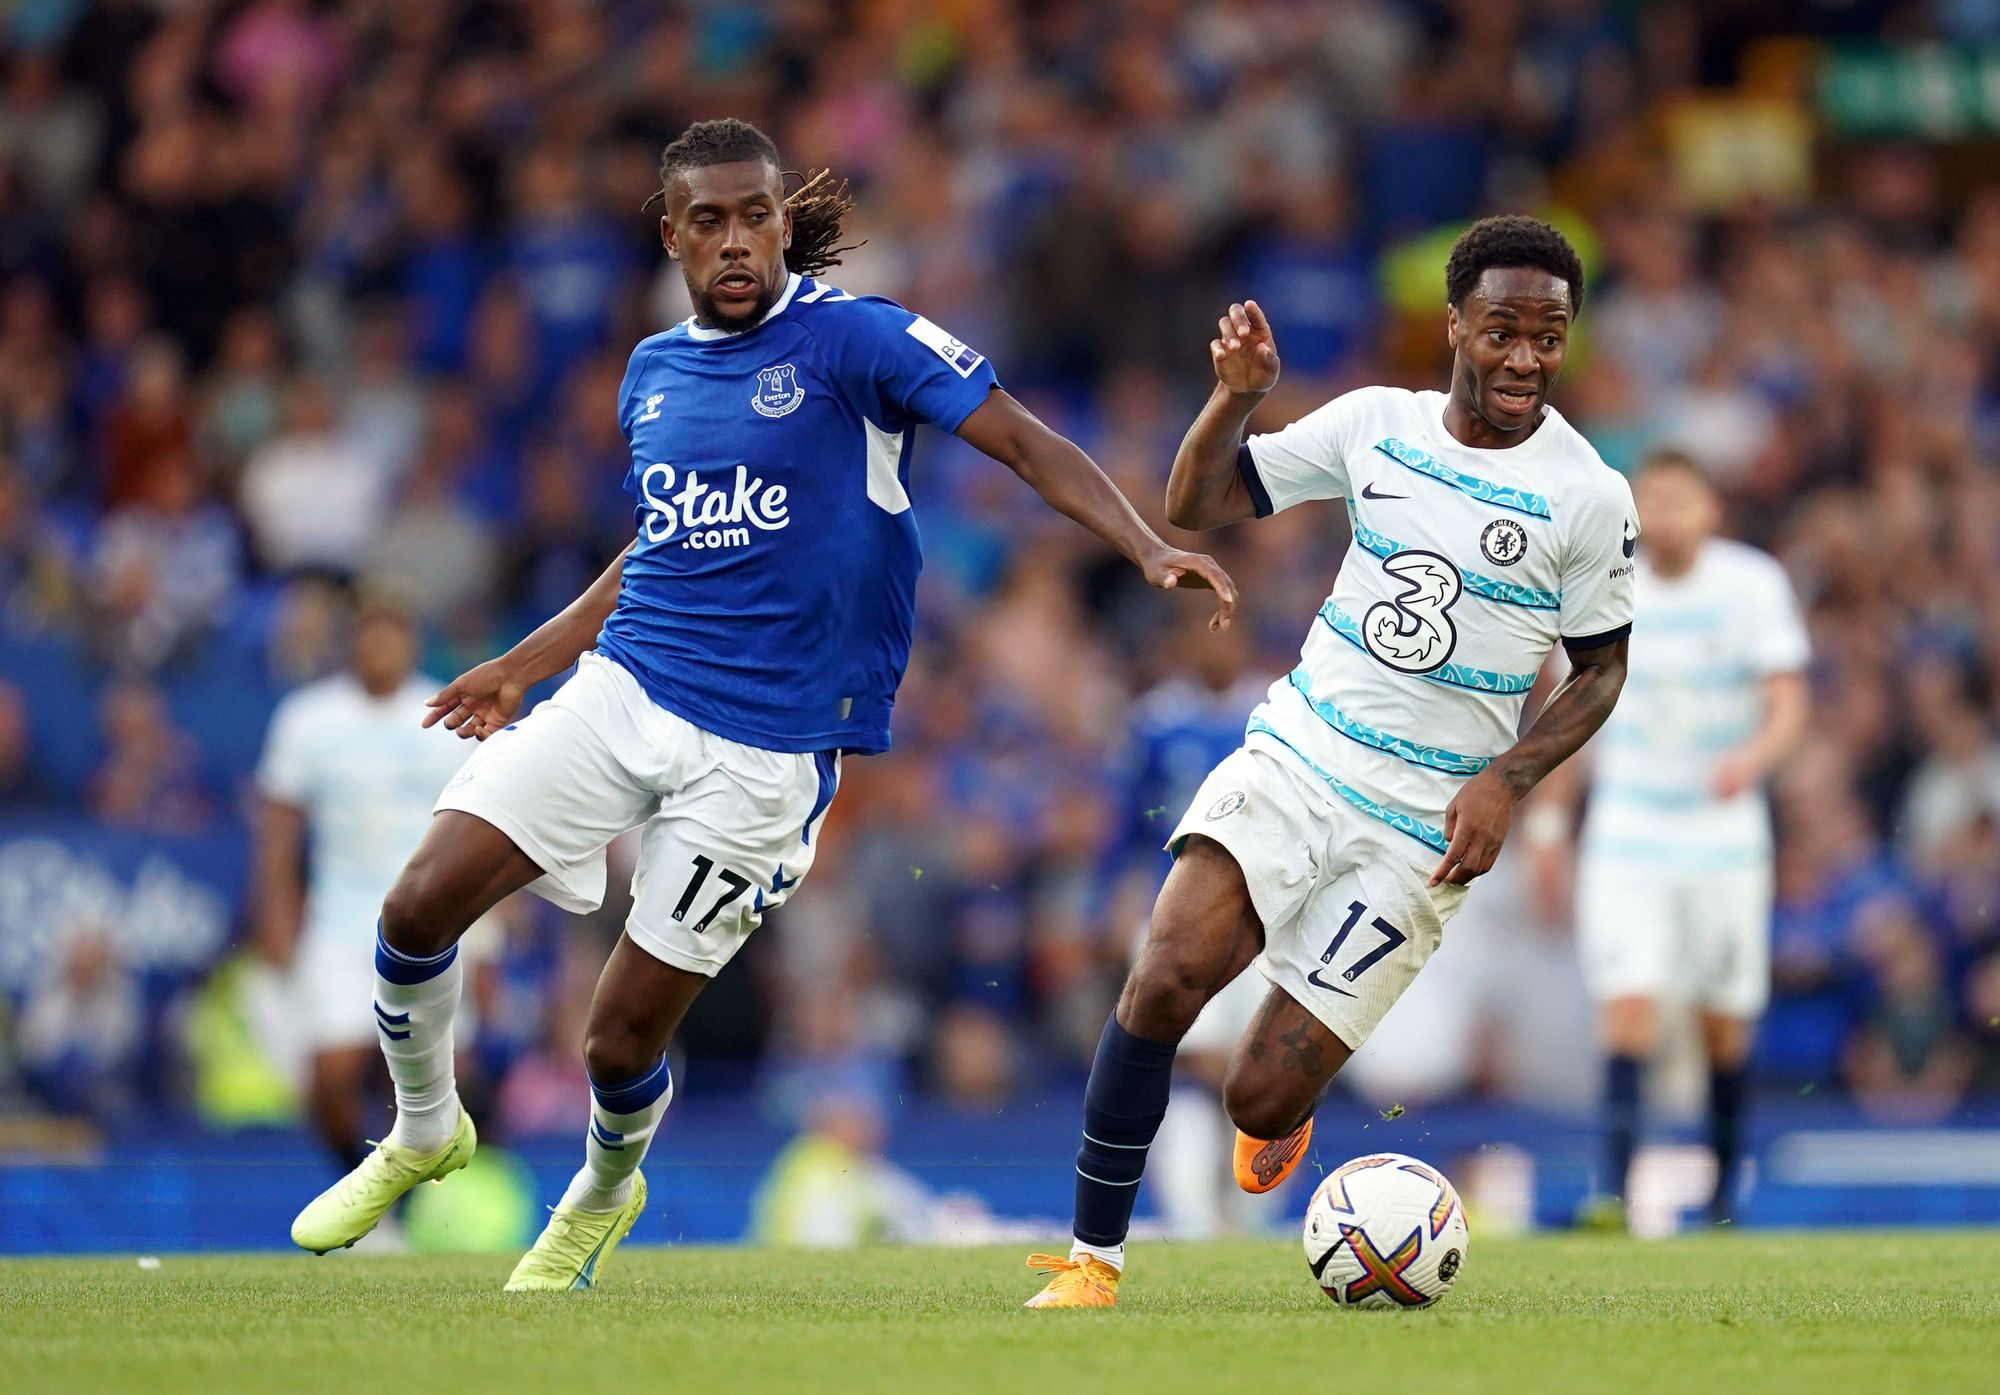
x=753, y=632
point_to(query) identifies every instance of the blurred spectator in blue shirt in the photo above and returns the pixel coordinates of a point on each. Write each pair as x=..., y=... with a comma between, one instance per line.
x=445, y=262
x=150, y=776
x=82, y=1025
x=572, y=265
x=165, y=568
x=1314, y=281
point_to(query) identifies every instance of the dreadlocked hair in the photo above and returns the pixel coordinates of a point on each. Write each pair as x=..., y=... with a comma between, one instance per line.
x=817, y=209
x=817, y=206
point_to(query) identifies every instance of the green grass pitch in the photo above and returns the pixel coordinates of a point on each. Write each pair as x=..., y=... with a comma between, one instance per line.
x=1883, y=1312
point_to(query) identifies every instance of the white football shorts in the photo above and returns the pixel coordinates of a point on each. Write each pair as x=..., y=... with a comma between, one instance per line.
x=333, y=989
x=331, y=982
x=729, y=830
x=1699, y=936
x=1348, y=918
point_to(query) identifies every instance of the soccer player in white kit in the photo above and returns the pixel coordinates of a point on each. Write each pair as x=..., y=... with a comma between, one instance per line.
x=1379, y=776
x=1674, y=889
x=345, y=785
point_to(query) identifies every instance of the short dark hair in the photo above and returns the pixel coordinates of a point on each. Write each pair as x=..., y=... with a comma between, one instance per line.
x=721, y=142
x=1672, y=460
x=1512, y=239
x=817, y=205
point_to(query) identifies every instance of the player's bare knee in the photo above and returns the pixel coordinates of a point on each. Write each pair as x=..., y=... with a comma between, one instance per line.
x=1162, y=998
x=403, y=916
x=613, y=1052
x=1630, y=1026
x=411, y=919
x=1726, y=1040
x=1261, y=1106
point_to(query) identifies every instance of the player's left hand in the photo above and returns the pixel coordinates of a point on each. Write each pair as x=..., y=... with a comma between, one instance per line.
x=1736, y=772
x=1171, y=568
x=1475, y=825
x=478, y=702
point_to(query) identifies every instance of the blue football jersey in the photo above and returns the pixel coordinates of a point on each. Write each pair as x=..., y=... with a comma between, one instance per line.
x=1180, y=731
x=772, y=591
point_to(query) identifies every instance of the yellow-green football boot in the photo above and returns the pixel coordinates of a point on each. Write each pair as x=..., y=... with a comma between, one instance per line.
x=349, y=1209
x=574, y=1245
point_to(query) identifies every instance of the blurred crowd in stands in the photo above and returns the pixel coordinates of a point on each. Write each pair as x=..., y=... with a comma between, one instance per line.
x=295, y=293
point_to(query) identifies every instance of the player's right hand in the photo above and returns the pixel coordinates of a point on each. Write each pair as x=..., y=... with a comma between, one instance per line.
x=478, y=702
x=1552, y=868
x=1244, y=352
x=1171, y=568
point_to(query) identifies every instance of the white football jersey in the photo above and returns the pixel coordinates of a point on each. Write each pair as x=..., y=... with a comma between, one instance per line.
x=365, y=772
x=1467, y=567
x=1702, y=645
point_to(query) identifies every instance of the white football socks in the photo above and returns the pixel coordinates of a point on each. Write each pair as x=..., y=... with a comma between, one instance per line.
x=414, y=1002
x=623, y=1118
x=1113, y=1255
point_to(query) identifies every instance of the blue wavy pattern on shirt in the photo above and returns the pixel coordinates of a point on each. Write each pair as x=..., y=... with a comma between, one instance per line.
x=1427, y=834
x=1501, y=496
x=1416, y=753
x=1478, y=680
x=1486, y=587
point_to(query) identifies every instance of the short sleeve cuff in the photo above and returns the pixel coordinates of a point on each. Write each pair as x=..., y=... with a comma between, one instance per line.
x=953, y=411
x=1246, y=466
x=1582, y=643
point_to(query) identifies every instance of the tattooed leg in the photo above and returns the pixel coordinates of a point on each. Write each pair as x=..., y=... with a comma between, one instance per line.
x=1284, y=1064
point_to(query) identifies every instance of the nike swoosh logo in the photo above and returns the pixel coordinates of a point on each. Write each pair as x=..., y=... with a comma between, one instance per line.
x=1316, y=981
x=1368, y=492
x=586, y=1277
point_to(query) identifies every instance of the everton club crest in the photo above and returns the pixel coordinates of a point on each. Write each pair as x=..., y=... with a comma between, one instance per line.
x=778, y=391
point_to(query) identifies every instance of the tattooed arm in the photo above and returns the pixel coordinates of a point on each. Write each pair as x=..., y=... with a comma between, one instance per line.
x=1476, y=820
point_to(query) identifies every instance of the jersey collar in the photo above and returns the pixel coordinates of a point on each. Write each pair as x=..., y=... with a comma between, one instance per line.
x=705, y=334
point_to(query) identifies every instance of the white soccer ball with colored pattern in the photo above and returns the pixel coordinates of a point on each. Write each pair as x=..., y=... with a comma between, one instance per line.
x=1385, y=1231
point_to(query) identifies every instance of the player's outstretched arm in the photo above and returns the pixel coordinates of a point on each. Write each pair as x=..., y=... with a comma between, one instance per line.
x=484, y=699
x=1071, y=483
x=1206, y=490
x=1475, y=822
x=278, y=869
x=1786, y=708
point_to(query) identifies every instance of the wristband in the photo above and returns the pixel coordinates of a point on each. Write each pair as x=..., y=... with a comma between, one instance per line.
x=1545, y=825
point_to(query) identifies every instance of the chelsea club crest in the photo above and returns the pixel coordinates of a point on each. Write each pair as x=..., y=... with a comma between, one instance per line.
x=778, y=391
x=1504, y=542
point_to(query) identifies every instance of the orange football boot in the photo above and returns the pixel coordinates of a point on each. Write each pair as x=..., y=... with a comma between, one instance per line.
x=1260, y=1166
x=1083, y=1282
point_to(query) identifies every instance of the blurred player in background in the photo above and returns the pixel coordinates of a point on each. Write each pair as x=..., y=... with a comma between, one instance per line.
x=754, y=632
x=345, y=787
x=1673, y=895
x=1331, y=848
x=1181, y=729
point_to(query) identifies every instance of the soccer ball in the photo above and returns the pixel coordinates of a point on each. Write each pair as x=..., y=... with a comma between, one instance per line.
x=1385, y=1231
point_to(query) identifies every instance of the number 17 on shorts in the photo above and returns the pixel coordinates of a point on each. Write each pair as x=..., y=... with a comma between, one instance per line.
x=1351, y=953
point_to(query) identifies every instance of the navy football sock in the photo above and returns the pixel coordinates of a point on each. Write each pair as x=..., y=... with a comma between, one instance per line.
x=1726, y=1089
x=1122, y=1108
x=1621, y=1119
